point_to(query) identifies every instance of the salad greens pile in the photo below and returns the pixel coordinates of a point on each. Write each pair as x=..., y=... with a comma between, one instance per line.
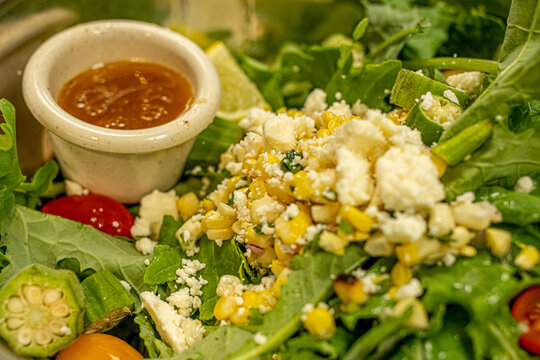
x=468, y=302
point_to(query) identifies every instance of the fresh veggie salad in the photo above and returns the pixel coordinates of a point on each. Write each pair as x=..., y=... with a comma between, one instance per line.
x=365, y=198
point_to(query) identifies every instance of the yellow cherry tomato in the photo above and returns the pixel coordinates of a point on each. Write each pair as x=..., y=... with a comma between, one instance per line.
x=98, y=347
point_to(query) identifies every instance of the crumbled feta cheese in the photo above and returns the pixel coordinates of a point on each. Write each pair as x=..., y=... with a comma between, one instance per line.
x=354, y=183
x=141, y=227
x=412, y=289
x=359, y=109
x=524, y=185
x=240, y=203
x=361, y=137
x=292, y=211
x=427, y=101
x=74, y=188
x=467, y=197
x=125, y=285
x=408, y=180
x=315, y=103
x=156, y=205
x=304, y=127
x=369, y=283
x=259, y=339
x=250, y=146
x=145, y=245
x=404, y=228
x=146, y=262
x=178, y=331
x=451, y=96
x=254, y=120
x=340, y=108
x=279, y=134
x=470, y=82
x=184, y=302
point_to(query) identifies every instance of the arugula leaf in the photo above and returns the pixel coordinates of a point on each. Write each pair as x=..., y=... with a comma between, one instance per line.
x=370, y=84
x=155, y=347
x=165, y=262
x=519, y=69
x=483, y=286
x=10, y=172
x=506, y=156
x=32, y=237
x=309, y=283
x=516, y=208
x=28, y=193
x=168, y=229
x=225, y=260
x=374, y=308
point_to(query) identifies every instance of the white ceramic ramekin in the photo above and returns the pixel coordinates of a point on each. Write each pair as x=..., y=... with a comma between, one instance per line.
x=123, y=164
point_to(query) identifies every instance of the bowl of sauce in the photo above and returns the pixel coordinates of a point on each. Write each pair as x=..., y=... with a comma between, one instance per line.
x=122, y=102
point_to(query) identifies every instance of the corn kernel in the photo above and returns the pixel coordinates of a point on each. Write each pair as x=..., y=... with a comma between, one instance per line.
x=251, y=299
x=281, y=110
x=330, y=242
x=281, y=191
x=378, y=245
x=266, y=258
x=527, y=258
x=419, y=318
x=440, y=165
x=360, y=220
x=401, y=274
x=281, y=279
x=325, y=213
x=257, y=188
x=467, y=251
x=208, y=205
x=336, y=122
x=240, y=316
x=259, y=240
x=283, y=252
x=350, y=289
x=229, y=285
x=303, y=190
x=289, y=231
x=408, y=254
x=225, y=307
x=264, y=160
x=323, y=133
x=320, y=323
x=220, y=234
x=268, y=298
x=326, y=117
x=278, y=266
x=265, y=210
x=188, y=205
x=498, y=241
x=248, y=165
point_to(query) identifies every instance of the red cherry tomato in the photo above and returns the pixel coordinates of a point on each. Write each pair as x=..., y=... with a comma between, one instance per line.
x=526, y=308
x=100, y=211
x=98, y=347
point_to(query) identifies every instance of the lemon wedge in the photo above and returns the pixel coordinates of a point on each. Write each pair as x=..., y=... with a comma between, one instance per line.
x=238, y=92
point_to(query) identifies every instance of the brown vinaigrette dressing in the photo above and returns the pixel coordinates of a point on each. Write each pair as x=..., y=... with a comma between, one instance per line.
x=127, y=95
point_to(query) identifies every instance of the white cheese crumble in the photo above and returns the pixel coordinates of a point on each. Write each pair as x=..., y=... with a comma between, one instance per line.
x=427, y=101
x=412, y=289
x=141, y=227
x=145, y=245
x=292, y=211
x=315, y=103
x=156, y=205
x=524, y=185
x=74, y=188
x=451, y=96
x=404, y=228
x=354, y=184
x=408, y=180
x=469, y=82
x=125, y=285
x=279, y=133
x=259, y=339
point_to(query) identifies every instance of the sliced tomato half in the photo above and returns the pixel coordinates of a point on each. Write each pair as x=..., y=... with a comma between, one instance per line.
x=526, y=309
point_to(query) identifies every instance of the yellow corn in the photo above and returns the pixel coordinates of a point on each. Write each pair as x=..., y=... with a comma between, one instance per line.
x=330, y=242
x=280, y=191
x=278, y=266
x=401, y=274
x=281, y=279
x=248, y=165
x=188, y=205
x=320, y=323
x=216, y=220
x=281, y=110
x=498, y=241
x=419, y=318
x=266, y=257
x=302, y=186
x=336, y=122
x=290, y=230
x=408, y=254
x=325, y=213
x=527, y=258
x=220, y=234
x=251, y=299
x=440, y=164
x=225, y=307
x=326, y=117
x=378, y=245
x=260, y=240
x=241, y=316
x=239, y=226
x=268, y=298
x=350, y=289
x=229, y=285
x=264, y=160
x=265, y=210
x=468, y=251
x=283, y=252
x=359, y=219
x=323, y=133
x=257, y=188
x=208, y=205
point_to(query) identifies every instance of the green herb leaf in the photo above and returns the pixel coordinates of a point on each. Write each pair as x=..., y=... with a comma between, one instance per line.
x=32, y=237
x=516, y=208
x=164, y=264
x=360, y=29
x=290, y=161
